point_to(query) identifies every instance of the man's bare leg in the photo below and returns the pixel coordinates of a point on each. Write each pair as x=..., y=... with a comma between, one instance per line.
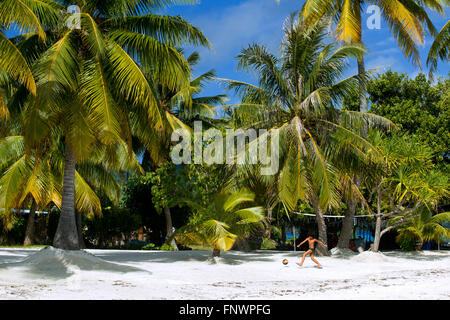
x=303, y=258
x=317, y=262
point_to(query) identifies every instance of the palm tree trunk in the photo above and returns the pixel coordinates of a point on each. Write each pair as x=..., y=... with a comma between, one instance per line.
x=283, y=233
x=80, y=230
x=377, y=237
x=169, y=226
x=322, y=227
x=66, y=236
x=216, y=252
x=362, y=87
x=347, y=225
x=269, y=217
x=29, y=232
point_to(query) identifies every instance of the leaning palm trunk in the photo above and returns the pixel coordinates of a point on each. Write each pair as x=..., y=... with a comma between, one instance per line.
x=29, y=233
x=169, y=227
x=66, y=236
x=321, y=226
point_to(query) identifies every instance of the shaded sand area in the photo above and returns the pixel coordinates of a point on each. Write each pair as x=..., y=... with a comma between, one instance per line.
x=120, y=274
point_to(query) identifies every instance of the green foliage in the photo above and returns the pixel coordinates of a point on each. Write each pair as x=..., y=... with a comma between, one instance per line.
x=417, y=106
x=297, y=96
x=219, y=223
x=164, y=247
x=425, y=227
x=276, y=233
x=16, y=232
x=166, y=185
x=268, y=244
x=150, y=246
x=406, y=243
x=103, y=230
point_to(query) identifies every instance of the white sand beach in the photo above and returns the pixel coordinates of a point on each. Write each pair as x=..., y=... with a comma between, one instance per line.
x=117, y=274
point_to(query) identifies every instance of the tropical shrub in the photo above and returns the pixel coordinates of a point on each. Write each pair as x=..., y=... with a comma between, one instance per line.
x=424, y=227
x=220, y=223
x=115, y=224
x=268, y=244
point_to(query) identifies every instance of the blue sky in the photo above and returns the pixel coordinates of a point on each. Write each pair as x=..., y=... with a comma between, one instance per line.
x=233, y=24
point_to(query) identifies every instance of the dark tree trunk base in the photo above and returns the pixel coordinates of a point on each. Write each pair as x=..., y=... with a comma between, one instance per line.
x=29, y=233
x=66, y=236
x=216, y=253
x=347, y=226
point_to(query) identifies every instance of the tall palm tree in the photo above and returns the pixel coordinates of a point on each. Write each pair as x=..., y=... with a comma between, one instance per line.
x=219, y=224
x=296, y=97
x=24, y=178
x=180, y=107
x=89, y=77
x=406, y=20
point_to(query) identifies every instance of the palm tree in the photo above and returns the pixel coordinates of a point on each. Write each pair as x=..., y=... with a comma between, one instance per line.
x=439, y=49
x=180, y=107
x=296, y=97
x=224, y=220
x=425, y=227
x=405, y=20
x=29, y=16
x=89, y=78
x=25, y=179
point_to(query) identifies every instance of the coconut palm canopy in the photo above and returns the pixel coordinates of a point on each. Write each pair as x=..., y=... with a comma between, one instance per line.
x=406, y=20
x=297, y=96
x=90, y=71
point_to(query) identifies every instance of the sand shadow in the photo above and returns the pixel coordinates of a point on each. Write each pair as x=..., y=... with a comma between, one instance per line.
x=229, y=257
x=418, y=255
x=9, y=256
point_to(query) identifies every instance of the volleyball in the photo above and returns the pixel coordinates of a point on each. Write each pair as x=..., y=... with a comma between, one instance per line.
x=285, y=261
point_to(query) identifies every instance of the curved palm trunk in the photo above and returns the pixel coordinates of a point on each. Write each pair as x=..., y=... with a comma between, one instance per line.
x=169, y=226
x=66, y=236
x=322, y=227
x=29, y=233
x=216, y=253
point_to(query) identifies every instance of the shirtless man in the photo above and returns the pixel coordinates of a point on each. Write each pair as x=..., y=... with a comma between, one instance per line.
x=311, y=250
